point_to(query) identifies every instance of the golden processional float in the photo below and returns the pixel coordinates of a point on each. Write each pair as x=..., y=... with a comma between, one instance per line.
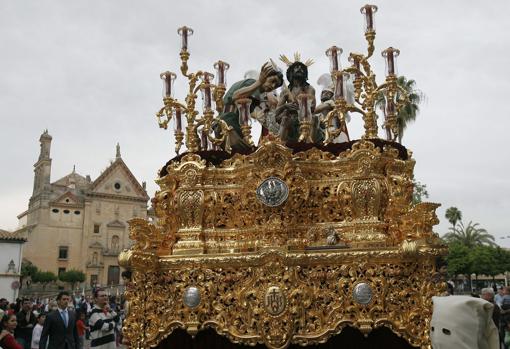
x=288, y=242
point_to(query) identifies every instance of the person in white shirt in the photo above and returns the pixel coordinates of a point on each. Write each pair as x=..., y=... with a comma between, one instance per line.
x=36, y=332
x=498, y=298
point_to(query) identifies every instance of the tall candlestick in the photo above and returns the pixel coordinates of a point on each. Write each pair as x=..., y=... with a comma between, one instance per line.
x=334, y=58
x=203, y=139
x=391, y=55
x=368, y=11
x=206, y=90
x=243, y=105
x=168, y=83
x=221, y=72
x=184, y=32
x=178, y=120
x=390, y=107
x=340, y=85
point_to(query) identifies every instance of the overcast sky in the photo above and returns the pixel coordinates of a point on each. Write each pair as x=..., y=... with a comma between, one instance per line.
x=88, y=71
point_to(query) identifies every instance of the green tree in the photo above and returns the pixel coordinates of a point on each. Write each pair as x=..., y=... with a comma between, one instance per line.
x=501, y=262
x=483, y=260
x=459, y=260
x=72, y=276
x=44, y=277
x=502, y=257
x=454, y=215
x=28, y=270
x=410, y=110
x=470, y=236
x=419, y=192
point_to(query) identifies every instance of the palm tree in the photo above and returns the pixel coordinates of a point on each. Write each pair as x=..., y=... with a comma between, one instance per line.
x=470, y=236
x=454, y=215
x=408, y=113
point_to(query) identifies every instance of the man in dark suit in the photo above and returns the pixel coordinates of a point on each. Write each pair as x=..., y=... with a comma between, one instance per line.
x=60, y=325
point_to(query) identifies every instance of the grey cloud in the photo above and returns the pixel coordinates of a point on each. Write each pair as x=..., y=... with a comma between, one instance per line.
x=89, y=72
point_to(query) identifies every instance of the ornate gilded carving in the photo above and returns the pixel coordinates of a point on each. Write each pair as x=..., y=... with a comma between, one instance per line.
x=366, y=196
x=279, y=298
x=347, y=248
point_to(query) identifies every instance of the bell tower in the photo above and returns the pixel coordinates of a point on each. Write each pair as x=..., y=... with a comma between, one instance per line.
x=42, y=168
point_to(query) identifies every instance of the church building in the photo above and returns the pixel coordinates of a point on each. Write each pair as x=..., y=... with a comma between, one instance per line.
x=80, y=223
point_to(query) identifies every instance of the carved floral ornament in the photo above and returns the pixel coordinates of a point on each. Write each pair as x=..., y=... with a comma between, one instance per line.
x=346, y=248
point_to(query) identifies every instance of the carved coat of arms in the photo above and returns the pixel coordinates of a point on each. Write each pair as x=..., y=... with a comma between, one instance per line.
x=274, y=301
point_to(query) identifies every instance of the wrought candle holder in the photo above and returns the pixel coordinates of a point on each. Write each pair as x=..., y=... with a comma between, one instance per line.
x=221, y=83
x=367, y=94
x=369, y=11
x=338, y=114
x=179, y=135
x=243, y=106
x=305, y=118
x=204, y=128
x=333, y=54
x=198, y=81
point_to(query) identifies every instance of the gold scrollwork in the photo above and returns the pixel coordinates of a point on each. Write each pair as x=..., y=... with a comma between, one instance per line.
x=286, y=274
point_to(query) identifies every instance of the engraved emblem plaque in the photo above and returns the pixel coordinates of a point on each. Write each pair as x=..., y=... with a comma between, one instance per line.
x=272, y=192
x=362, y=293
x=191, y=297
x=274, y=301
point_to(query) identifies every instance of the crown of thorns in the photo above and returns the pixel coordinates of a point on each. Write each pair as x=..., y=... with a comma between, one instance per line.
x=297, y=58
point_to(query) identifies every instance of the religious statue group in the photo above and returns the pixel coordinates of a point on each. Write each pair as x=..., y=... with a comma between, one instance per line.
x=279, y=113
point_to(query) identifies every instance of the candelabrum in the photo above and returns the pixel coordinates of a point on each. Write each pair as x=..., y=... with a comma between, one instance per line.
x=202, y=129
x=205, y=129
x=305, y=118
x=367, y=94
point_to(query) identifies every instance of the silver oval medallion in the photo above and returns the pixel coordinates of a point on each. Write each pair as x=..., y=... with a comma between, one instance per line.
x=362, y=293
x=191, y=297
x=274, y=301
x=272, y=192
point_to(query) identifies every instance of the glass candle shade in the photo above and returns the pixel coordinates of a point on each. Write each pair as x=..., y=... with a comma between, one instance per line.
x=205, y=88
x=185, y=33
x=204, y=142
x=305, y=107
x=340, y=79
x=333, y=54
x=369, y=11
x=221, y=73
x=390, y=107
x=390, y=55
x=243, y=106
x=177, y=119
x=168, y=79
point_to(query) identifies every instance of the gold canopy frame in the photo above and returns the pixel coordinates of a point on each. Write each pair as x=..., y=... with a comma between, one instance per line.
x=346, y=248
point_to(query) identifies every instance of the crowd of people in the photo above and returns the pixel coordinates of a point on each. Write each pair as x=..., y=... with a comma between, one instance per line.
x=501, y=312
x=62, y=323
